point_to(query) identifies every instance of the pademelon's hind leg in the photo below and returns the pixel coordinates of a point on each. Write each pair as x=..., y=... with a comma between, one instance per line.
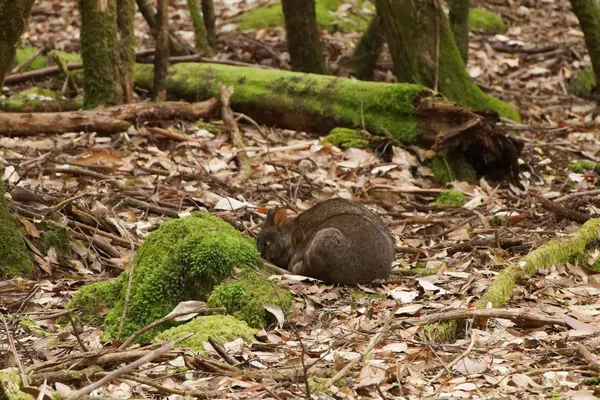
x=325, y=256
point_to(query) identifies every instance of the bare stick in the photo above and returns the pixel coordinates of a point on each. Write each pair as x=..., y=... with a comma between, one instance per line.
x=592, y=360
x=458, y=315
x=13, y=348
x=275, y=268
x=575, y=195
x=474, y=336
x=225, y=94
x=121, y=371
x=569, y=214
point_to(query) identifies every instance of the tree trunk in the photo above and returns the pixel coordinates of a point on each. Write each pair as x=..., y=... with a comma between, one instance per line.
x=14, y=14
x=100, y=53
x=208, y=11
x=125, y=19
x=368, y=49
x=176, y=47
x=199, y=29
x=303, y=37
x=588, y=14
x=459, y=23
x=14, y=257
x=161, y=57
x=424, y=52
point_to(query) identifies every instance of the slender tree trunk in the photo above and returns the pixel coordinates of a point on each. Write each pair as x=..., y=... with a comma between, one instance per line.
x=424, y=52
x=208, y=11
x=125, y=19
x=176, y=48
x=368, y=49
x=588, y=14
x=161, y=58
x=14, y=15
x=199, y=29
x=100, y=53
x=459, y=23
x=303, y=37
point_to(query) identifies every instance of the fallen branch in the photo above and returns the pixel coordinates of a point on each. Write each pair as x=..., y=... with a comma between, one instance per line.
x=245, y=166
x=591, y=359
x=471, y=244
x=564, y=212
x=102, y=120
x=515, y=315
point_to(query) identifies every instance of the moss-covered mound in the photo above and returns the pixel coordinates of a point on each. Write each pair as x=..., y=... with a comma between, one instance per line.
x=222, y=328
x=345, y=138
x=452, y=168
x=486, y=21
x=14, y=257
x=183, y=260
x=451, y=198
x=93, y=300
x=42, y=61
x=582, y=84
x=581, y=166
x=245, y=298
x=272, y=16
x=37, y=99
x=10, y=387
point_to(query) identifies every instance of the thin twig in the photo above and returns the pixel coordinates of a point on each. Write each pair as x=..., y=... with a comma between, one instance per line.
x=474, y=336
x=13, y=348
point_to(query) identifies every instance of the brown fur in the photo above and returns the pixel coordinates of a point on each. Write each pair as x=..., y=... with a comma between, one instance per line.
x=337, y=241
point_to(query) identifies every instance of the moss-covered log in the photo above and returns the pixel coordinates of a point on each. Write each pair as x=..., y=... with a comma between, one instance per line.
x=367, y=50
x=459, y=23
x=14, y=257
x=588, y=14
x=100, y=53
x=424, y=52
x=200, y=33
x=303, y=37
x=14, y=15
x=125, y=19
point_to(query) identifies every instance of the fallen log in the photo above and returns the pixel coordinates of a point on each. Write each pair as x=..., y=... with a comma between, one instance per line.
x=403, y=112
x=102, y=120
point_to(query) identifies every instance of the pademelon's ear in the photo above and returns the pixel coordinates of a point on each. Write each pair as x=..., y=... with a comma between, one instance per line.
x=280, y=216
x=297, y=237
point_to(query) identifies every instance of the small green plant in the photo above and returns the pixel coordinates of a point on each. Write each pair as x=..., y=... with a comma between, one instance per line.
x=486, y=21
x=345, y=138
x=451, y=198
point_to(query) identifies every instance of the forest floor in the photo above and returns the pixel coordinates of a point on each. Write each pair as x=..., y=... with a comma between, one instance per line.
x=528, y=66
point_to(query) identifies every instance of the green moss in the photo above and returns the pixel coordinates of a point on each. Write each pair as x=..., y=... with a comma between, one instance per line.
x=10, y=387
x=246, y=296
x=272, y=16
x=498, y=220
x=222, y=328
x=451, y=198
x=318, y=385
x=452, y=167
x=56, y=236
x=418, y=271
x=212, y=128
x=33, y=327
x=36, y=99
x=595, y=381
x=14, y=257
x=581, y=166
x=582, y=84
x=97, y=296
x=486, y=21
x=41, y=61
x=440, y=333
x=345, y=138
x=307, y=101
x=183, y=260
x=358, y=294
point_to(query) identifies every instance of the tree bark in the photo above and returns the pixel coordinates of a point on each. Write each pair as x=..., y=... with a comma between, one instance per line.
x=99, y=50
x=368, y=49
x=14, y=14
x=208, y=11
x=303, y=37
x=103, y=120
x=424, y=52
x=161, y=57
x=125, y=19
x=459, y=23
x=588, y=14
x=176, y=47
x=200, y=33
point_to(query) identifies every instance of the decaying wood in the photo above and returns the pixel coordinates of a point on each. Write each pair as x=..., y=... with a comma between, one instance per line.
x=561, y=211
x=102, y=120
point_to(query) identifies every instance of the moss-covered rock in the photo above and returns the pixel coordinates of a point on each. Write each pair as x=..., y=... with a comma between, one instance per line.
x=38, y=99
x=183, y=260
x=54, y=235
x=345, y=138
x=486, y=21
x=581, y=166
x=10, y=387
x=14, y=257
x=582, y=84
x=222, y=328
x=245, y=298
x=91, y=300
x=451, y=168
x=451, y=198
x=272, y=16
